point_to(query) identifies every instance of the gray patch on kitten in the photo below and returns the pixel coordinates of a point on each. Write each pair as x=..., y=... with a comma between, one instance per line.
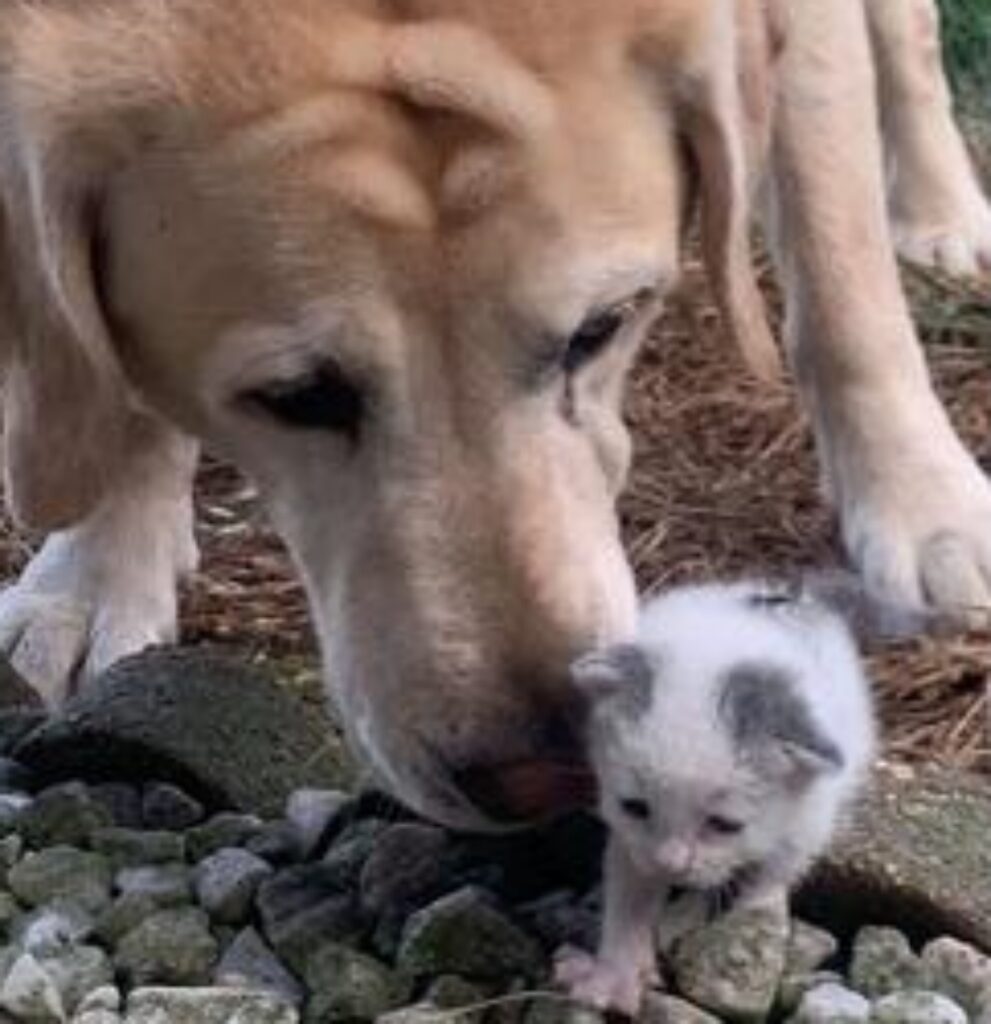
x=760, y=703
x=622, y=674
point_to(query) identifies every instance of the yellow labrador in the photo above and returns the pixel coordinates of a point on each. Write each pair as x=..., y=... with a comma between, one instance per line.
x=394, y=257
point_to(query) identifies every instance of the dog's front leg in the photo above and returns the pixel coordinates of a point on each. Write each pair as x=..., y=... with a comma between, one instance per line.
x=106, y=587
x=939, y=215
x=915, y=508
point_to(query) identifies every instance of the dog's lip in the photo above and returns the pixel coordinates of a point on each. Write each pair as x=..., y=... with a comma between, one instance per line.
x=528, y=789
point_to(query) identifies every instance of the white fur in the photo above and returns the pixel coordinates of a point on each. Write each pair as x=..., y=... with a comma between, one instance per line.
x=679, y=757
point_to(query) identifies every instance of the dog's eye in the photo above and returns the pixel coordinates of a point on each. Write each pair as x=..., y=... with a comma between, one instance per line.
x=600, y=328
x=721, y=826
x=634, y=807
x=322, y=400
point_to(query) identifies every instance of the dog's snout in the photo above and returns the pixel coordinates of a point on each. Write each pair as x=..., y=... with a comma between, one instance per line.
x=517, y=792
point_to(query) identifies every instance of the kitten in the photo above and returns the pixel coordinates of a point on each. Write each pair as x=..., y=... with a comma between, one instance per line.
x=725, y=741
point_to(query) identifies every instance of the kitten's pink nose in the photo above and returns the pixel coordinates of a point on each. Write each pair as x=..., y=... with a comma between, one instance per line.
x=674, y=857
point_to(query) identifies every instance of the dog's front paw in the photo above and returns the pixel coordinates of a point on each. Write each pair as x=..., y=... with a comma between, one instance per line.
x=598, y=982
x=922, y=536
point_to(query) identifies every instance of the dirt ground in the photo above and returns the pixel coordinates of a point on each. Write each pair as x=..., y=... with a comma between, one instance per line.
x=723, y=483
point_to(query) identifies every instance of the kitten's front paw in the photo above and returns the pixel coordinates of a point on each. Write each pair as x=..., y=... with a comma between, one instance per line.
x=599, y=983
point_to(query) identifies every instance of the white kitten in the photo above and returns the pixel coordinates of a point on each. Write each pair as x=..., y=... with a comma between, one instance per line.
x=726, y=741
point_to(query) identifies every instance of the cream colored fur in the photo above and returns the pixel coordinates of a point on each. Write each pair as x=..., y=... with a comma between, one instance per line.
x=204, y=198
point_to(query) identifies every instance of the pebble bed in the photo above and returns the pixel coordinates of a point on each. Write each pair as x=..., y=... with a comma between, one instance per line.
x=128, y=905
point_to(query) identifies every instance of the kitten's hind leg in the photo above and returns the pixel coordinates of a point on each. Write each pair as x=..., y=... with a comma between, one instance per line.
x=615, y=977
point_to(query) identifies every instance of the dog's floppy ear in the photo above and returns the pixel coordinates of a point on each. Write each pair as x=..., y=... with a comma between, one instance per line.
x=717, y=80
x=65, y=404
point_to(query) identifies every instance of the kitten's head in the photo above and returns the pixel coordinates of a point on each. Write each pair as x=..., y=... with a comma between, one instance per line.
x=701, y=779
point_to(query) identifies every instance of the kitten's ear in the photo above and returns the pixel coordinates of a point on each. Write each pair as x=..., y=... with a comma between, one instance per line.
x=767, y=717
x=622, y=672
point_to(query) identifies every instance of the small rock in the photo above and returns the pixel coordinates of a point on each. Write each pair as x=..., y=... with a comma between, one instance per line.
x=961, y=972
x=883, y=962
x=10, y=911
x=560, y=919
x=310, y=813
x=450, y=992
x=206, y=1006
x=463, y=934
x=249, y=963
x=417, y=1013
x=793, y=988
x=221, y=831
x=405, y=870
x=62, y=872
x=122, y=802
x=733, y=966
x=276, y=843
x=226, y=883
x=123, y=916
x=97, y=1016
x=169, y=885
x=51, y=927
x=554, y=1011
x=345, y=985
x=661, y=1008
x=832, y=1003
x=808, y=948
x=173, y=947
x=107, y=997
x=64, y=815
x=128, y=848
x=11, y=848
x=29, y=993
x=346, y=860
x=166, y=807
x=76, y=971
x=917, y=1008
x=302, y=906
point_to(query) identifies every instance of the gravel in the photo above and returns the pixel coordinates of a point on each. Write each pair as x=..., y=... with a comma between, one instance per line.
x=160, y=912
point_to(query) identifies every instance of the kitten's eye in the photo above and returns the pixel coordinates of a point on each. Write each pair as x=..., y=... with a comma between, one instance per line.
x=721, y=826
x=635, y=808
x=323, y=399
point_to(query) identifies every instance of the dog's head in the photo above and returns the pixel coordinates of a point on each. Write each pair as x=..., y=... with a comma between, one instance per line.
x=395, y=263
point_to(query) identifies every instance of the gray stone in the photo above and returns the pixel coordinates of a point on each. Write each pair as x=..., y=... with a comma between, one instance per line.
x=302, y=906
x=808, y=948
x=346, y=859
x=123, y=916
x=345, y=985
x=250, y=963
x=916, y=854
x=76, y=971
x=883, y=962
x=52, y=927
x=98, y=1016
x=961, y=972
x=29, y=993
x=832, y=1003
x=733, y=966
x=917, y=1008
x=122, y=801
x=794, y=987
x=11, y=849
x=64, y=815
x=661, y=1008
x=221, y=832
x=10, y=911
x=463, y=934
x=542, y=1010
x=107, y=997
x=169, y=808
x=276, y=843
x=233, y=730
x=206, y=1006
x=173, y=947
x=13, y=806
x=310, y=813
x=226, y=883
x=129, y=848
x=405, y=870
x=169, y=885
x=417, y=1013
x=451, y=992
x=62, y=872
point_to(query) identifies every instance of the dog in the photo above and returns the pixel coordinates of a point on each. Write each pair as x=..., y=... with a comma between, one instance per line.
x=394, y=259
